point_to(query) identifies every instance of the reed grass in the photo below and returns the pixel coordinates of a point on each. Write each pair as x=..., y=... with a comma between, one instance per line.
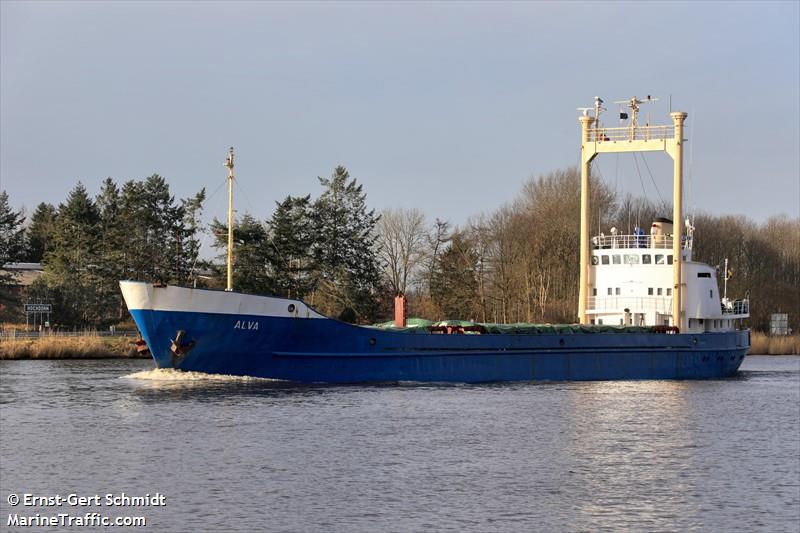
x=763, y=344
x=62, y=347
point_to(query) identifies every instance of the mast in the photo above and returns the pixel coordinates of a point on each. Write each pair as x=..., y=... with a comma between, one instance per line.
x=229, y=165
x=678, y=118
x=587, y=154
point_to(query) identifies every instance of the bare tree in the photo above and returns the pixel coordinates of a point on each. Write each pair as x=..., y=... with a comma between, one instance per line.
x=402, y=236
x=439, y=236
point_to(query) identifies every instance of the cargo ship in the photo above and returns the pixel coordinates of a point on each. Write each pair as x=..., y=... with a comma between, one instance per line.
x=646, y=310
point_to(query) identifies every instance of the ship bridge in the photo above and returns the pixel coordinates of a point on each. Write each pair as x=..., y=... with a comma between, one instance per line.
x=631, y=282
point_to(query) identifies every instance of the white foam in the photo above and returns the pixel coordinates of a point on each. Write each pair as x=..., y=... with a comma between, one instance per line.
x=181, y=376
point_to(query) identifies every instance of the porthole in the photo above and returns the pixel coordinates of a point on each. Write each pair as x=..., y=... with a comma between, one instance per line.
x=561, y=342
x=373, y=341
x=291, y=308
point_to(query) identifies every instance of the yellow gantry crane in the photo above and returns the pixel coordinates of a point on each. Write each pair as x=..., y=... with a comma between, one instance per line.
x=595, y=140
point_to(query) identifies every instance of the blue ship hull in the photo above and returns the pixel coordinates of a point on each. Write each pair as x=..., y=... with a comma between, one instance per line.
x=328, y=351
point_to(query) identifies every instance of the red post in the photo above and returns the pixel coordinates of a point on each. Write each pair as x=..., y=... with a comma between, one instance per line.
x=400, y=313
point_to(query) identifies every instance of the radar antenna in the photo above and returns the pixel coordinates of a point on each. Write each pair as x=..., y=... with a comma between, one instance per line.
x=598, y=109
x=633, y=105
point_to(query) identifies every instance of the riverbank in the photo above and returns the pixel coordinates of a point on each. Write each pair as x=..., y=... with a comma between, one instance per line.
x=63, y=347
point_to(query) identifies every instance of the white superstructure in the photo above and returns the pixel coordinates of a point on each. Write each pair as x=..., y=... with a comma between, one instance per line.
x=631, y=283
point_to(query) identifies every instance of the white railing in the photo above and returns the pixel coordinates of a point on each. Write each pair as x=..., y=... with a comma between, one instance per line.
x=736, y=307
x=637, y=241
x=640, y=133
x=636, y=304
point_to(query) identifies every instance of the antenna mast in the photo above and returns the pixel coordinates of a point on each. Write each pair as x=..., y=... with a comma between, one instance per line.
x=229, y=165
x=633, y=105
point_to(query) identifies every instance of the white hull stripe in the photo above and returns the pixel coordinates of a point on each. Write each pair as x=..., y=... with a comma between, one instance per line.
x=140, y=295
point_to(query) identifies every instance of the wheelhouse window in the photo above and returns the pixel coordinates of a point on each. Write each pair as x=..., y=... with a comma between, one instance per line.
x=616, y=259
x=704, y=274
x=631, y=259
x=659, y=259
x=604, y=259
x=669, y=259
x=646, y=258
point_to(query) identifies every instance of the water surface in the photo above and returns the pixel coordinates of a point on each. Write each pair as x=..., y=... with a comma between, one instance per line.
x=234, y=454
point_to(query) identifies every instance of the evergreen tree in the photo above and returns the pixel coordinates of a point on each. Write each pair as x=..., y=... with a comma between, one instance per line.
x=455, y=283
x=12, y=246
x=135, y=260
x=348, y=274
x=192, y=211
x=164, y=230
x=251, y=272
x=292, y=238
x=71, y=267
x=40, y=232
x=161, y=236
x=112, y=236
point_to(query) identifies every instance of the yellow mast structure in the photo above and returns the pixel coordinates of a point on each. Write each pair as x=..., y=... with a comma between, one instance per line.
x=633, y=138
x=229, y=165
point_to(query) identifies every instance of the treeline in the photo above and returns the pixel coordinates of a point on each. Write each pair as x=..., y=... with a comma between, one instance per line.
x=322, y=250
x=87, y=244
x=516, y=264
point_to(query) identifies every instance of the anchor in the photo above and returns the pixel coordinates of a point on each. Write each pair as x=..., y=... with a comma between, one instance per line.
x=180, y=349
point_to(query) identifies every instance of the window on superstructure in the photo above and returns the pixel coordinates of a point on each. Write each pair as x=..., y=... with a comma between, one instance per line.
x=669, y=259
x=659, y=259
x=649, y=291
x=594, y=291
x=659, y=291
x=646, y=259
x=669, y=292
x=600, y=321
x=609, y=291
x=631, y=259
x=604, y=259
x=616, y=259
x=616, y=291
x=594, y=260
x=703, y=274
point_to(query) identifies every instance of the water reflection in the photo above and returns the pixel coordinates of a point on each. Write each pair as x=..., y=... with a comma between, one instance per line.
x=632, y=444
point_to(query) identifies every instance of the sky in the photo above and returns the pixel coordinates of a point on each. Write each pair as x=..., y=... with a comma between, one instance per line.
x=446, y=107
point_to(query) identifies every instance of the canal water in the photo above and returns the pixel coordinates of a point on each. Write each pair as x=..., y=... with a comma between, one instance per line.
x=233, y=454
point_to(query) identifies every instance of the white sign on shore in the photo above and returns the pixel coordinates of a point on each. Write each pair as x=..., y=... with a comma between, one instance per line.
x=38, y=308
